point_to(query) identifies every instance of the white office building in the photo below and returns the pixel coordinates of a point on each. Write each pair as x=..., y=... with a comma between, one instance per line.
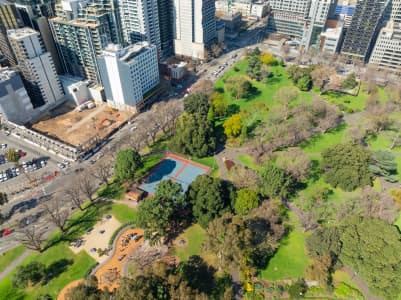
x=140, y=21
x=37, y=67
x=15, y=105
x=194, y=28
x=128, y=73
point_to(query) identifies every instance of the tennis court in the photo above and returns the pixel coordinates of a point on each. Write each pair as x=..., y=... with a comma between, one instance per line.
x=175, y=168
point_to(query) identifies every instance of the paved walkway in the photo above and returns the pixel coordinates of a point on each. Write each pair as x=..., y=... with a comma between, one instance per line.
x=14, y=264
x=361, y=285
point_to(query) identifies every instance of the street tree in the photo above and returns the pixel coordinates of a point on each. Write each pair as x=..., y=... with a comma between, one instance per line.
x=12, y=155
x=32, y=237
x=87, y=185
x=3, y=198
x=210, y=198
x=73, y=194
x=127, y=163
x=159, y=215
x=103, y=171
x=57, y=214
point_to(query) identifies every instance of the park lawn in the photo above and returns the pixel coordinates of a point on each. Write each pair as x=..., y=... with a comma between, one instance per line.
x=112, y=191
x=193, y=236
x=340, y=276
x=317, y=143
x=61, y=261
x=7, y=257
x=123, y=213
x=248, y=161
x=290, y=260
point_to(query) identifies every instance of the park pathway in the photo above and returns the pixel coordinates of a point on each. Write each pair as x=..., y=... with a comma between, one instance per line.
x=14, y=264
x=361, y=285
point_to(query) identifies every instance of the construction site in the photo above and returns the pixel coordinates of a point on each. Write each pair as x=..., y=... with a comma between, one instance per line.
x=81, y=127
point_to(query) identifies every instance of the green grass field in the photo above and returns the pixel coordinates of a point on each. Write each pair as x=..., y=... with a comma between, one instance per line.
x=290, y=260
x=61, y=261
x=7, y=257
x=320, y=142
x=193, y=236
x=248, y=161
x=123, y=213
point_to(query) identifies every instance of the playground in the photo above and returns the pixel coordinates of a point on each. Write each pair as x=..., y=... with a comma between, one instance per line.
x=109, y=274
x=174, y=168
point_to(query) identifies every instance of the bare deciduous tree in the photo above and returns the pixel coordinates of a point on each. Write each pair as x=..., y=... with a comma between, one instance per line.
x=103, y=171
x=57, y=214
x=74, y=195
x=87, y=185
x=32, y=238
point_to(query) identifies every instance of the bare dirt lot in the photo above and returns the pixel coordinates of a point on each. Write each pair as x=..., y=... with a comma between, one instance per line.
x=77, y=128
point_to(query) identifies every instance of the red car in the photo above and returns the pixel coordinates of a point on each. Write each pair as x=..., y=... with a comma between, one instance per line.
x=22, y=153
x=7, y=232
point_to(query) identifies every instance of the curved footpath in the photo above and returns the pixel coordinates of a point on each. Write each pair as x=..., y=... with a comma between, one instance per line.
x=63, y=292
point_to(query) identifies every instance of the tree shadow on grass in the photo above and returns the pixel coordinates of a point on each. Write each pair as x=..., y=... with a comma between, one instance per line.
x=252, y=93
x=251, y=128
x=58, y=267
x=79, y=224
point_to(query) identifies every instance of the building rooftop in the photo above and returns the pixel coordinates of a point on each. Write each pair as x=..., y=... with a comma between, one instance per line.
x=6, y=74
x=127, y=53
x=21, y=32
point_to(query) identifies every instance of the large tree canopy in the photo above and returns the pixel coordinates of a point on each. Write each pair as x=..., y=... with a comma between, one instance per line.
x=370, y=246
x=127, y=163
x=210, y=198
x=275, y=182
x=194, y=135
x=346, y=166
x=197, y=103
x=158, y=215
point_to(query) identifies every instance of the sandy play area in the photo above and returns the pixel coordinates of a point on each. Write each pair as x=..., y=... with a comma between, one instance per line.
x=96, y=239
x=109, y=274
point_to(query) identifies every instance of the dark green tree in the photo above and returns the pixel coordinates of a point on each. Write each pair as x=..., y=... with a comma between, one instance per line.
x=3, y=198
x=128, y=162
x=275, y=182
x=346, y=166
x=210, y=198
x=305, y=83
x=30, y=274
x=197, y=103
x=150, y=287
x=87, y=290
x=159, y=215
x=197, y=273
x=297, y=290
x=194, y=135
x=384, y=164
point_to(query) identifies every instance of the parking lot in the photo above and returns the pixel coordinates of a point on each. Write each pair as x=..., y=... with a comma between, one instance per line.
x=34, y=165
